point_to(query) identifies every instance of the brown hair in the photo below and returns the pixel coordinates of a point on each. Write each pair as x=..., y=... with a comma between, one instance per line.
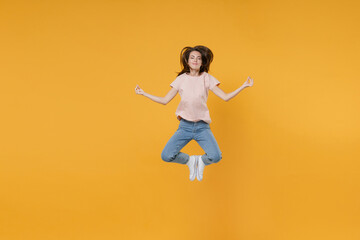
x=206, y=57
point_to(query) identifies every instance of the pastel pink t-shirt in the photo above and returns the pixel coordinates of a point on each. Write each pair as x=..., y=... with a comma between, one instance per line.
x=194, y=91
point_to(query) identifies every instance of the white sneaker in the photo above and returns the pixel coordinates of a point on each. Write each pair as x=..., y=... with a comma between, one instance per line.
x=200, y=168
x=192, y=166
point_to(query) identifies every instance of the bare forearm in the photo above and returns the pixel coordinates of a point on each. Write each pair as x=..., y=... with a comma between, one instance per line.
x=234, y=93
x=155, y=98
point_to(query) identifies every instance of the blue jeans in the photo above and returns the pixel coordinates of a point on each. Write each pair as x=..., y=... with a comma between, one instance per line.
x=187, y=131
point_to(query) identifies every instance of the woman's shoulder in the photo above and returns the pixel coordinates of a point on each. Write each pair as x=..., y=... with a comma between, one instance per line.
x=209, y=75
x=181, y=76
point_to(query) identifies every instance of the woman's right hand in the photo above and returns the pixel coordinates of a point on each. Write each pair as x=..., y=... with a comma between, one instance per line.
x=138, y=90
x=249, y=82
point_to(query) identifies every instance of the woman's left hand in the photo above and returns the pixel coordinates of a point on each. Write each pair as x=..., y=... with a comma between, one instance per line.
x=249, y=82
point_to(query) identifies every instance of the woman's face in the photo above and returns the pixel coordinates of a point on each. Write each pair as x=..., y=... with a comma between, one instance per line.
x=195, y=60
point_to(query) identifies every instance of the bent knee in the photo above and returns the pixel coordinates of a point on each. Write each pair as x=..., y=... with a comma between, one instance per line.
x=215, y=157
x=166, y=157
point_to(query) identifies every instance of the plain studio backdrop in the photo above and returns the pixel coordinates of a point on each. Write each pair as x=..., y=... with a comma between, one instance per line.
x=80, y=152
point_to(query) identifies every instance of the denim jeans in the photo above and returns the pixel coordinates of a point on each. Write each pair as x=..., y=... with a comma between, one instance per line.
x=199, y=131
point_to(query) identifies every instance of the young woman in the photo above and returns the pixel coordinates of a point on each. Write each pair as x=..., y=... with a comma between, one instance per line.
x=193, y=84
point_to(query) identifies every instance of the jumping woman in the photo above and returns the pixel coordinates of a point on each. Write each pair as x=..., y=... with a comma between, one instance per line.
x=193, y=84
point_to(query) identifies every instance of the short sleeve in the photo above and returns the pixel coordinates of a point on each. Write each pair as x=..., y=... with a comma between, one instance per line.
x=213, y=82
x=176, y=83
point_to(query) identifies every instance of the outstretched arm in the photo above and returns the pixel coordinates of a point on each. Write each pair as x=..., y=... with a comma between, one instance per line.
x=227, y=96
x=163, y=100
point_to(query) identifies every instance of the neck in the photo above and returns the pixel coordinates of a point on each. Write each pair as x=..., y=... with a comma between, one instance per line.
x=194, y=72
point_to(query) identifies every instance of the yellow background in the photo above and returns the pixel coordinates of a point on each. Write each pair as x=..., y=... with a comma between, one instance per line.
x=80, y=151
